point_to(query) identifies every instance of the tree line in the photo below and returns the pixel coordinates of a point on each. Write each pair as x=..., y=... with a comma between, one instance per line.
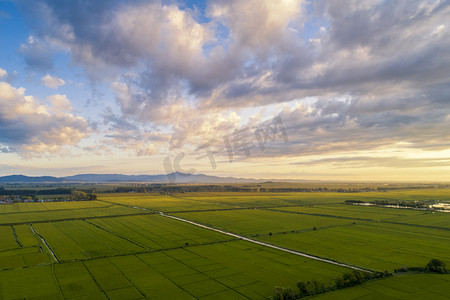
x=353, y=278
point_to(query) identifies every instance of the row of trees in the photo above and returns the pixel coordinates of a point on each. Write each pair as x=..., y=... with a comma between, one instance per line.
x=172, y=189
x=315, y=287
x=433, y=266
x=73, y=195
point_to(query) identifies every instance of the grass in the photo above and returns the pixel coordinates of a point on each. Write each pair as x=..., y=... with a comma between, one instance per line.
x=435, y=219
x=354, y=211
x=49, y=206
x=257, y=221
x=7, y=238
x=25, y=236
x=158, y=202
x=377, y=246
x=251, y=200
x=418, y=286
x=207, y=271
x=74, y=280
x=27, y=253
x=71, y=240
x=156, y=232
x=110, y=250
x=65, y=214
x=29, y=283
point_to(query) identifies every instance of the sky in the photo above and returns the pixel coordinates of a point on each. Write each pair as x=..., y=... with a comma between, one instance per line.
x=287, y=89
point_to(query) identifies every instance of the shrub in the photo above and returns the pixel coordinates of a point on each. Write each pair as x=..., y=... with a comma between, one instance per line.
x=283, y=293
x=436, y=266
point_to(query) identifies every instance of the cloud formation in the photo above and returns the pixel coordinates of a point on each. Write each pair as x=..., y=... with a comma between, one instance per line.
x=378, y=71
x=60, y=103
x=52, y=82
x=37, y=55
x=3, y=73
x=31, y=128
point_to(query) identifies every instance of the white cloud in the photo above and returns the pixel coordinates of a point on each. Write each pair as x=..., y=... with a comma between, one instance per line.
x=60, y=102
x=52, y=82
x=188, y=75
x=35, y=129
x=262, y=28
x=3, y=73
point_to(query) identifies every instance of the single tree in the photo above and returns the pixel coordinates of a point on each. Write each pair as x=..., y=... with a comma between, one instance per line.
x=436, y=266
x=283, y=293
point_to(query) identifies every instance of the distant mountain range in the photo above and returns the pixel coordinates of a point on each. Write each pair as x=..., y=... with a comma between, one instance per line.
x=175, y=177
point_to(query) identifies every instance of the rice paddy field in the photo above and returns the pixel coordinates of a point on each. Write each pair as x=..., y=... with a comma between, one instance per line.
x=418, y=286
x=128, y=246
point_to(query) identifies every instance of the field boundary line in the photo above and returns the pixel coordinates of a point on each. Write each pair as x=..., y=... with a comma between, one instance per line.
x=318, y=215
x=15, y=236
x=128, y=206
x=57, y=281
x=416, y=225
x=269, y=245
x=45, y=243
x=165, y=276
x=53, y=210
x=95, y=281
x=113, y=256
x=77, y=219
x=126, y=277
x=212, y=278
x=118, y=235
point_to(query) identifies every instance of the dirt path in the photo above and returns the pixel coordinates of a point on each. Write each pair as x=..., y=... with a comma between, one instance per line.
x=268, y=245
x=45, y=243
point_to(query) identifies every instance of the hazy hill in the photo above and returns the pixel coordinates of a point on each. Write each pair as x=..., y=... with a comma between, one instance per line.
x=175, y=177
x=26, y=179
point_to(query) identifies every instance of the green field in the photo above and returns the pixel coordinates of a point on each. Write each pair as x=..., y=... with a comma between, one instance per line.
x=66, y=213
x=376, y=246
x=23, y=249
x=258, y=221
x=352, y=211
x=123, y=247
x=237, y=269
x=417, y=286
x=50, y=206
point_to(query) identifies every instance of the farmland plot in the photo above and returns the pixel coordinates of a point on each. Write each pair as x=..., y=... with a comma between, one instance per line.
x=418, y=286
x=65, y=214
x=353, y=211
x=258, y=221
x=25, y=236
x=377, y=246
x=71, y=240
x=156, y=202
x=22, y=250
x=156, y=232
x=252, y=200
x=435, y=219
x=236, y=269
x=114, y=251
x=7, y=238
x=28, y=283
x=49, y=206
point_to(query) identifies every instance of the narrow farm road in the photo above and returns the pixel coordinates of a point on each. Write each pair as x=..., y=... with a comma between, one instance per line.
x=45, y=243
x=268, y=245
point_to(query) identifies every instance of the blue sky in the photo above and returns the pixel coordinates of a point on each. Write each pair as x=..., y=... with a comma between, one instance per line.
x=361, y=88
